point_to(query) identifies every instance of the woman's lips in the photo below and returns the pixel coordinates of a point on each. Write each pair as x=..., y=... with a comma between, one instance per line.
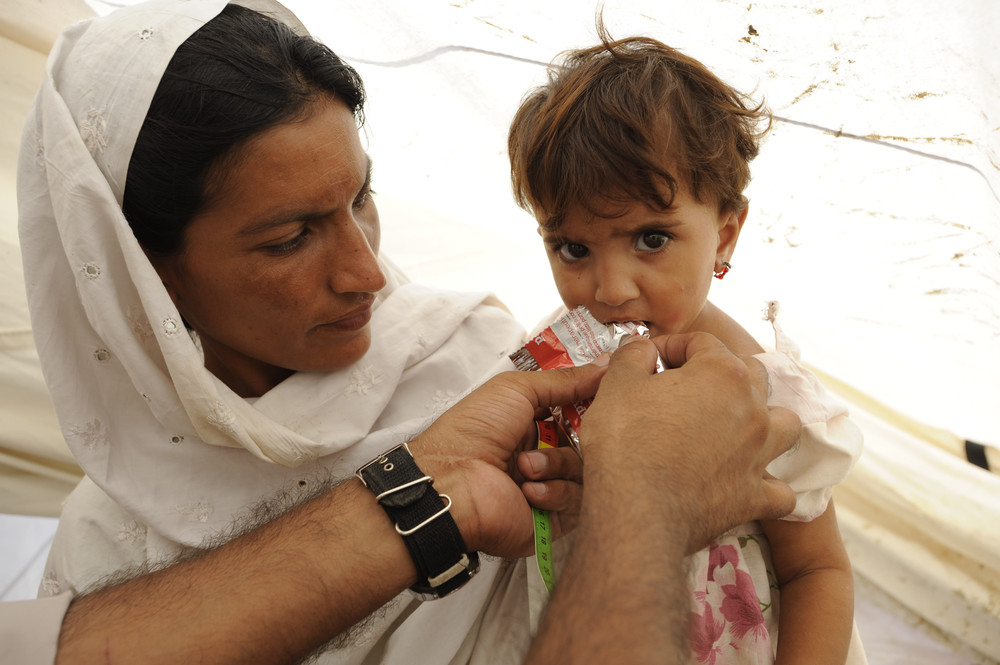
x=350, y=323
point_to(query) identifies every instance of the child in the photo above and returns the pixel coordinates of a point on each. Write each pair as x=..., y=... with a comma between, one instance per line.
x=633, y=158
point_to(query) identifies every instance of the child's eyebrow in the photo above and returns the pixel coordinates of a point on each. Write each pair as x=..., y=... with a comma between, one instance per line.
x=628, y=229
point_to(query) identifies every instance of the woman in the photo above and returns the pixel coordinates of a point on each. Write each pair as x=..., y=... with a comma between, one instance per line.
x=215, y=324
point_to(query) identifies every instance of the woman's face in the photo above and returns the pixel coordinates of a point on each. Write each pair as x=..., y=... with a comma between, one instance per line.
x=278, y=271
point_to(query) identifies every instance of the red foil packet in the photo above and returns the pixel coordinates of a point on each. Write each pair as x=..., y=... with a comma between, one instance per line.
x=574, y=339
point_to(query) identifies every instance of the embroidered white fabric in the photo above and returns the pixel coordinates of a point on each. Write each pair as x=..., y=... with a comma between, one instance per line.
x=172, y=455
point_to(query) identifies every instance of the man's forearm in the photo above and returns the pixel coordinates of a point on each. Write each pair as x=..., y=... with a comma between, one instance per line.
x=622, y=597
x=281, y=591
x=271, y=596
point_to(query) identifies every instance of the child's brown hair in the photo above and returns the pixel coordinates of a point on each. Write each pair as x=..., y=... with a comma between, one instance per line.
x=631, y=120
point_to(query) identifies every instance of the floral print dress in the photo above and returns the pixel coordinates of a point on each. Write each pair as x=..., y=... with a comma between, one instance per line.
x=735, y=595
x=734, y=612
x=734, y=591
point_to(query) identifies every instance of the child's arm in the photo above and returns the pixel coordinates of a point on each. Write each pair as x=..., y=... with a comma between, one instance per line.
x=713, y=320
x=816, y=611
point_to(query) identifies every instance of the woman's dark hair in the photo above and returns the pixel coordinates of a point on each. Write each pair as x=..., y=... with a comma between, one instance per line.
x=239, y=74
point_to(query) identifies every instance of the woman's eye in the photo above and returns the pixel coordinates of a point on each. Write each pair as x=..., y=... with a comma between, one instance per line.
x=288, y=246
x=572, y=252
x=363, y=198
x=651, y=241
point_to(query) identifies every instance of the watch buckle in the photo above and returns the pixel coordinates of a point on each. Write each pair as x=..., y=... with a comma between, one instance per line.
x=381, y=459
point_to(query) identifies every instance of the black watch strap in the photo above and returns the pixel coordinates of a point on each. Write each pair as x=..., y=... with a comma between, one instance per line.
x=422, y=518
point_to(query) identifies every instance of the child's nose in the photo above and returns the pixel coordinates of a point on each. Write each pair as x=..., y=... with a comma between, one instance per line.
x=615, y=287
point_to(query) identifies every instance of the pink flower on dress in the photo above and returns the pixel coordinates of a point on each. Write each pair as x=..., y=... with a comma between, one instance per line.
x=719, y=556
x=705, y=631
x=742, y=609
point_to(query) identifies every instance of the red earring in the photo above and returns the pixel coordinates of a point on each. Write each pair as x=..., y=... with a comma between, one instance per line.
x=719, y=274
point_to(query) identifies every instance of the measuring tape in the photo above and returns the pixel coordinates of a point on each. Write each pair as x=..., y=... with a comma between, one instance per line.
x=547, y=438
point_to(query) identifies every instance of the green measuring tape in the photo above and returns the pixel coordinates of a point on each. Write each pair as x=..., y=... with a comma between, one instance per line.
x=547, y=438
x=543, y=547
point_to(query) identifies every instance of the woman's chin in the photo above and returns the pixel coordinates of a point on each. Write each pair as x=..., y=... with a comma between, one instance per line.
x=342, y=355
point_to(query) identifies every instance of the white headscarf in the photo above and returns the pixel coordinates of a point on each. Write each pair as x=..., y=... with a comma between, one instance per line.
x=174, y=449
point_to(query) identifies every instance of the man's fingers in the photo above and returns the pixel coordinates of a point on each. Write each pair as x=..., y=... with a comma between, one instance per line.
x=679, y=349
x=758, y=375
x=551, y=463
x=558, y=495
x=635, y=358
x=779, y=499
x=783, y=433
x=555, y=387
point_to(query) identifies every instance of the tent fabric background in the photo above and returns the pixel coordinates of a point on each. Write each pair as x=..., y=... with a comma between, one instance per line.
x=874, y=220
x=36, y=468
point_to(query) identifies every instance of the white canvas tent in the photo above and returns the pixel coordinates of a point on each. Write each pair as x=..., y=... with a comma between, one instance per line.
x=874, y=220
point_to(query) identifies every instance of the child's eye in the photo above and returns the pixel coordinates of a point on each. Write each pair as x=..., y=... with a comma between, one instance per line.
x=572, y=252
x=651, y=241
x=288, y=246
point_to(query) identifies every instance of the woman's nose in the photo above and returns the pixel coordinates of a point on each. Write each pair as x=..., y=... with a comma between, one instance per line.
x=354, y=267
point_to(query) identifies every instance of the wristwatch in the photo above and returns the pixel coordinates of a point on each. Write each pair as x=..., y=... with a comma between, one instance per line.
x=422, y=518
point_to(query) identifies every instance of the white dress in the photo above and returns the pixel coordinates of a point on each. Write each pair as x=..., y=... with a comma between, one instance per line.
x=735, y=597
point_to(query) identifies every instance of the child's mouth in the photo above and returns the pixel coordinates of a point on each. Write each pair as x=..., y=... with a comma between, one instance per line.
x=645, y=323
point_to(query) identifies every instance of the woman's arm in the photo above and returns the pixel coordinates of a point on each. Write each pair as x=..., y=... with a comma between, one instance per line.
x=817, y=590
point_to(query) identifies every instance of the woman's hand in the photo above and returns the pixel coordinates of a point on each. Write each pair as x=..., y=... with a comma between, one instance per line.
x=470, y=452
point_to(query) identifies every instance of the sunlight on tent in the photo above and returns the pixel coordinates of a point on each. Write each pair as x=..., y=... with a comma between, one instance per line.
x=874, y=220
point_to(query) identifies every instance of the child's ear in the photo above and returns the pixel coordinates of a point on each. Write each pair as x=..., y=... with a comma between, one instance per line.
x=730, y=224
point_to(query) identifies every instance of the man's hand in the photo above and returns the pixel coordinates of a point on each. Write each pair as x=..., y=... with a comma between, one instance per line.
x=469, y=451
x=554, y=482
x=670, y=461
x=697, y=436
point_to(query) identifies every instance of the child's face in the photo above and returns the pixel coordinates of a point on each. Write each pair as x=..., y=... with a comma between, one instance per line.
x=644, y=265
